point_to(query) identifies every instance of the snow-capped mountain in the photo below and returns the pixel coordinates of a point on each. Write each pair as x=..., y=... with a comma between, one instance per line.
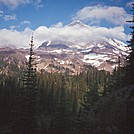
x=54, y=45
x=77, y=23
x=59, y=56
x=103, y=55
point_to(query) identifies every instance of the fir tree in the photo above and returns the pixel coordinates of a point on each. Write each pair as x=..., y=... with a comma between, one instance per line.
x=129, y=77
x=26, y=122
x=90, y=99
x=59, y=124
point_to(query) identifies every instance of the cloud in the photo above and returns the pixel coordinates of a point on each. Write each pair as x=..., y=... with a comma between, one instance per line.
x=14, y=27
x=15, y=3
x=57, y=25
x=74, y=34
x=26, y=22
x=15, y=38
x=7, y=17
x=10, y=17
x=93, y=14
x=38, y=4
x=78, y=34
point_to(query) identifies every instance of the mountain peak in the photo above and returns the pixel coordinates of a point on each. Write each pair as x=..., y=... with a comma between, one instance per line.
x=77, y=23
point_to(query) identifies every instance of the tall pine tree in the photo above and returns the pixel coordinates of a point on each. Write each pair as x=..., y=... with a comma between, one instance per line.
x=26, y=114
x=129, y=80
x=129, y=77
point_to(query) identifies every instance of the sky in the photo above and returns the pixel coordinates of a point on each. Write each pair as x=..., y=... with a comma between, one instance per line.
x=50, y=19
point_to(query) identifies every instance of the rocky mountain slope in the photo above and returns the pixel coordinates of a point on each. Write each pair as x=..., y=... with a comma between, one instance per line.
x=103, y=55
x=60, y=56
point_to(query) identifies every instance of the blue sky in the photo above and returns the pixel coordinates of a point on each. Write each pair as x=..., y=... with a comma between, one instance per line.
x=18, y=18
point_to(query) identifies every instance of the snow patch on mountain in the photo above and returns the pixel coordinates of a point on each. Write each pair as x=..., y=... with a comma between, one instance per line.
x=95, y=59
x=103, y=54
x=118, y=44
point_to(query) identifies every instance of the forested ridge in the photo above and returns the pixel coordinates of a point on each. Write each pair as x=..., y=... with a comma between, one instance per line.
x=91, y=102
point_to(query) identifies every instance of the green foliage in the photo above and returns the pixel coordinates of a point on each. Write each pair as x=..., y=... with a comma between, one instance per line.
x=129, y=69
x=26, y=110
x=87, y=102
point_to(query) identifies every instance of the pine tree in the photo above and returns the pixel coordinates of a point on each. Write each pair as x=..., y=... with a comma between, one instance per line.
x=129, y=77
x=59, y=123
x=26, y=122
x=90, y=99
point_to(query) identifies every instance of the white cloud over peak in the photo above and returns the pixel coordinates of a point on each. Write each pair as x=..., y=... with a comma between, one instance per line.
x=74, y=34
x=112, y=14
x=78, y=34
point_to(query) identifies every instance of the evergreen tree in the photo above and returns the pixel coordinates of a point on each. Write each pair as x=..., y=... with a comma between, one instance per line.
x=75, y=103
x=129, y=77
x=59, y=124
x=90, y=99
x=26, y=122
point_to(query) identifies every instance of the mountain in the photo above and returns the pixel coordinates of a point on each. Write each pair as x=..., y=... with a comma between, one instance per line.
x=12, y=60
x=61, y=56
x=103, y=55
x=77, y=23
x=54, y=45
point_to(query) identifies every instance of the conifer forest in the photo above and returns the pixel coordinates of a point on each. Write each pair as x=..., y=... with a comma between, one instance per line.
x=91, y=102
